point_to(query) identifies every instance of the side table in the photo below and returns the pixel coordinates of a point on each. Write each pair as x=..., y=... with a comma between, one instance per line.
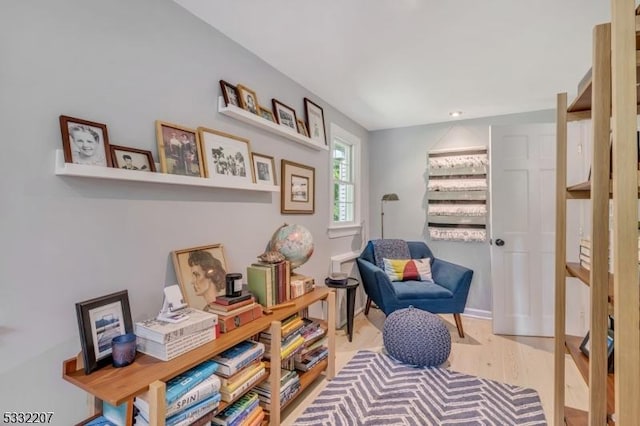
x=351, y=284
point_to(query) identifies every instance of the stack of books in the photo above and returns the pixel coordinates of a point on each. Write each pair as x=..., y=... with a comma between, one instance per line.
x=167, y=340
x=289, y=386
x=314, y=349
x=270, y=282
x=585, y=253
x=240, y=368
x=234, y=312
x=292, y=341
x=301, y=285
x=246, y=412
x=191, y=398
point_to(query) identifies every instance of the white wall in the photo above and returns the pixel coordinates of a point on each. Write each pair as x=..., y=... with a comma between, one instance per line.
x=398, y=163
x=66, y=240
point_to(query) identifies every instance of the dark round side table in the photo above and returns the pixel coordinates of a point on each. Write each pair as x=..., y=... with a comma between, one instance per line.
x=350, y=285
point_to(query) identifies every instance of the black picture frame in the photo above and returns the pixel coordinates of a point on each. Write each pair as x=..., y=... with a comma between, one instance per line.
x=99, y=321
x=585, y=347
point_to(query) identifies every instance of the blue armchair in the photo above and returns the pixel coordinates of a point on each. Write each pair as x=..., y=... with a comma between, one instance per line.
x=446, y=295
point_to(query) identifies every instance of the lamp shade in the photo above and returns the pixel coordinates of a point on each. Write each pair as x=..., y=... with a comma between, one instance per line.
x=390, y=197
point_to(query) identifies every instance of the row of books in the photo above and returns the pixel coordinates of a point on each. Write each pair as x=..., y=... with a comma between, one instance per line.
x=166, y=340
x=313, y=349
x=291, y=339
x=240, y=367
x=585, y=254
x=246, y=411
x=189, y=397
x=289, y=387
x=273, y=283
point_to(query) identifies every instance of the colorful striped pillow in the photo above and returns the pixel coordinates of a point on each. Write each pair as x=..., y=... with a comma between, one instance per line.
x=408, y=269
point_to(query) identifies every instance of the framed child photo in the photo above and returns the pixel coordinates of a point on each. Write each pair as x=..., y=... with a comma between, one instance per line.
x=179, y=150
x=285, y=116
x=132, y=159
x=201, y=273
x=264, y=169
x=297, y=193
x=85, y=142
x=315, y=121
x=248, y=99
x=226, y=157
x=229, y=93
x=99, y=321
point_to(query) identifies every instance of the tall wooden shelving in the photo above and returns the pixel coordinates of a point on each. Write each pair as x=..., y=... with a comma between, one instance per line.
x=609, y=99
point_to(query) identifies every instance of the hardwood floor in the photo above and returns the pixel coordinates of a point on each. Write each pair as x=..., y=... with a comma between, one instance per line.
x=522, y=361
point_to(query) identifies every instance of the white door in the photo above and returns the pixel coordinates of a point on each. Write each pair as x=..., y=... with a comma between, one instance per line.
x=523, y=228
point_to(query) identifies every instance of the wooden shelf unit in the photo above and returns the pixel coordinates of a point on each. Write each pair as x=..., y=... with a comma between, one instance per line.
x=110, y=173
x=121, y=385
x=610, y=99
x=264, y=124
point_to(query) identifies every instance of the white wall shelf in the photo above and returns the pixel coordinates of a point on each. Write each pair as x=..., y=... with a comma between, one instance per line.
x=264, y=124
x=79, y=170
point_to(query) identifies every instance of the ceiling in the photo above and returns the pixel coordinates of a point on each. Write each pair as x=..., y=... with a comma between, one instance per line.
x=397, y=63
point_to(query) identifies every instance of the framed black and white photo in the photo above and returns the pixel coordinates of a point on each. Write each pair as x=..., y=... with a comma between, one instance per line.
x=229, y=93
x=99, y=321
x=263, y=169
x=132, y=159
x=227, y=158
x=248, y=99
x=315, y=121
x=179, y=149
x=85, y=142
x=285, y=116
x=297, y=193
x=266, y=114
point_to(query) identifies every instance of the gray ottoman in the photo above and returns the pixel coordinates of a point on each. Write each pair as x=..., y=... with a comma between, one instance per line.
x=416, y=337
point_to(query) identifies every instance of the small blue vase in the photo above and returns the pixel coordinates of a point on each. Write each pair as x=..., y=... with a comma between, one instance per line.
x=123, y=349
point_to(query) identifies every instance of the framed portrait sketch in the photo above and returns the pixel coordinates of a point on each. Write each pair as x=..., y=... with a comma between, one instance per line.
x=315, y=121
x=226, y=157
x=85, y=142
x=229, y=93
x=285, y=116
x=264, y=169
x=179, y=150
x=201, y=274
x=302, y=129
x=99, y=321
x=248, y=99
x=297, y=193
x=266, y=114
x=127, y=158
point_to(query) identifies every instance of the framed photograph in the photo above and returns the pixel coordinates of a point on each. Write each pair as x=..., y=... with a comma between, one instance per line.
x=201, y=274
x=585, y=348
x=85, y=142
x=229, y=93
x=264, y=169
x=226, y=157
x=297, y=193
x=248, y=99
x=285, y=116
x=179, y=150
x=302, y=128
x=99, y=321
x=127, y=158
x=315, y=121
x=266, y=114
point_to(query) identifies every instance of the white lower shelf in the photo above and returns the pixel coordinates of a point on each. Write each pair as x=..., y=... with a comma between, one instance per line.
x=98, y=172
x=264, y=124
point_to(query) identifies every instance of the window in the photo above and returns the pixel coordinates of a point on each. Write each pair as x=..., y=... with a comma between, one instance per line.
x=345, y=211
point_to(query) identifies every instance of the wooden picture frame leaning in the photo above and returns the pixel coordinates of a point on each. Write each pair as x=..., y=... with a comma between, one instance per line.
x=315, y=121
x=85, y=142
x=179, y=149
x=128, y=158
x=226, y=157
x=229, y=94
x=266, y=114
x=264, y=169
x=285, y=115
x=99, y=321
x=297, y=192
x=201, y=273
x=248, y=99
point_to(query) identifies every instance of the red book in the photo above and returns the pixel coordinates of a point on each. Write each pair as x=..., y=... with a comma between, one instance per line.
x=222, y=307
x=224, y=300
x=228, y=323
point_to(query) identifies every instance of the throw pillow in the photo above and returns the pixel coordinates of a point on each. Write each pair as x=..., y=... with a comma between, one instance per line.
x=408, y=269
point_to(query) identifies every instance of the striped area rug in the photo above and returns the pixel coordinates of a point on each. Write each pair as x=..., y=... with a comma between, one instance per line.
x=374, y=389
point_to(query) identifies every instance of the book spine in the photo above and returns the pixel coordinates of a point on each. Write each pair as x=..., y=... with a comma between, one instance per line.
x=183, y=383
x=243, y=360
x=230, y=396
x=204, y=390
x=193, y=413
x=168, y=351
x=232, y=412
x=232, y=383
x=228, y=323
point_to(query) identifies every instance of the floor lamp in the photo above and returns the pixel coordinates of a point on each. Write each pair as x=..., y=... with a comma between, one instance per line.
x=385, y=197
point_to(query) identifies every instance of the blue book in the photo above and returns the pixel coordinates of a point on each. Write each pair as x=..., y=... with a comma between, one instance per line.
x=235, y=410
x=116, y=414
x=100, y=421
x=194, y=412
x=183, y=383
x=241, y=355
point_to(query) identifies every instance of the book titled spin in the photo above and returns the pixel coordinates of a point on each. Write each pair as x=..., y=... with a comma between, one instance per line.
x=188, y=380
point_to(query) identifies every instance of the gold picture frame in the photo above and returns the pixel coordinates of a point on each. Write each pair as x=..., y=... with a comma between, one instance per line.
x=248, y=99
x=201, y=273
x=226, y=157
x=179, y=149
x=297, y=193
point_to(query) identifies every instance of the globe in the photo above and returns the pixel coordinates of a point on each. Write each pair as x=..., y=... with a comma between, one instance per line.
x=294, y=242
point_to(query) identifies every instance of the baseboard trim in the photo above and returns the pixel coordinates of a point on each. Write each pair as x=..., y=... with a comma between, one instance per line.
x=477, y=313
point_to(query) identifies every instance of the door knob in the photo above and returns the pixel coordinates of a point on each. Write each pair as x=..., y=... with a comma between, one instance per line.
x=499, y=242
